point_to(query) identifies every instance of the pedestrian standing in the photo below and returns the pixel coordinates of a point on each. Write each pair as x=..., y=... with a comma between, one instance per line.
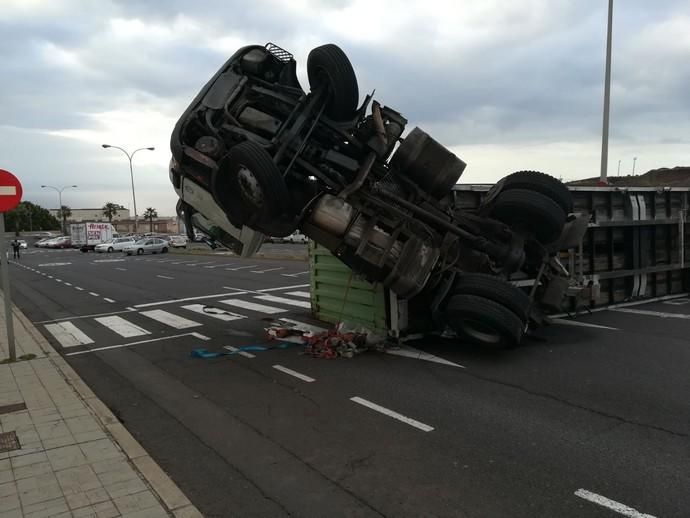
x=15, y=249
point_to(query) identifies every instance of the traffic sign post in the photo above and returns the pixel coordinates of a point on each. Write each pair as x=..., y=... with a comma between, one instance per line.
x=10, y=196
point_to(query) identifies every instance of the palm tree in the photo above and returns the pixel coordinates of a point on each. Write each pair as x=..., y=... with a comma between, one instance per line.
x=64, y=213
x=149, y=214
x=110, y=210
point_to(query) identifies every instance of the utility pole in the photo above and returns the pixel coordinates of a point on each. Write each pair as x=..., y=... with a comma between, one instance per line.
x=619, y=168
x=634, y=160
x=607, y=100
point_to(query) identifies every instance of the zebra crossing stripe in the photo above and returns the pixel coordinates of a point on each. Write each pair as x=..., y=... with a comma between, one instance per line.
x=253, y=306
x=170, y=319
x=213, y=312
x=304, y=294
x=121, y=326
x=67, y=334
x=282, y=300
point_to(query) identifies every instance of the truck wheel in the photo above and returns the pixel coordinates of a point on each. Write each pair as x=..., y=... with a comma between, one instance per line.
x=110, y=249
x=484, y=322
x=496, y=289
x=541, y=183
x=329, y=67
x=249, y=186
x=530, y=212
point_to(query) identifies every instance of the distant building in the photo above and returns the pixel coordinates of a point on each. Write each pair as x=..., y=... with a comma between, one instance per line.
x=79, y=215
x=163, y=225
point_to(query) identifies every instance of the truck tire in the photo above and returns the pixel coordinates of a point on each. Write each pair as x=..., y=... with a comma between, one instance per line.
x=249, y=186
x=543, y=184
x=329, y=67
x=496, y=289
x=484, y=322
x=530, y=211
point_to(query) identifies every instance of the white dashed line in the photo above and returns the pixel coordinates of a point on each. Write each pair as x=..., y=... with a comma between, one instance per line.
x=611, y=504
x=293, y=274
x=241, y=353
x=122, y=269
x=241, y=268
x=108, y=300
x=296, y=374
x=390, y=413
x=68, y=284
x=164, y=277
x=269, y=270
x=283, y=300
x=577, y=323
x=659, y=314
x=78, y=288
x=94, y=294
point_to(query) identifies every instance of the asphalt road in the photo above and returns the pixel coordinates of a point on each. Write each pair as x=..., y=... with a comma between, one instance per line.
x=586, y=420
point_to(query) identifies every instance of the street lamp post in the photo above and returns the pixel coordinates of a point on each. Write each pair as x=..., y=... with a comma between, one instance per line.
x=607, y=100
x=619, y=168
x=634, y=160
x=59, y=191
x=131, y=174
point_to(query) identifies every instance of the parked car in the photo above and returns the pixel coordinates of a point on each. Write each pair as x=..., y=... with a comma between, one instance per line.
x=178, y=241
x=43, y=243
x=22, y=244
x=116, y=245
x=255, y=151
x=149, y=245
x=296, y=237
x=60, y=242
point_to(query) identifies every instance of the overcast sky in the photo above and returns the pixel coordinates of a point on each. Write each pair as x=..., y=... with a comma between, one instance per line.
x=506, y=84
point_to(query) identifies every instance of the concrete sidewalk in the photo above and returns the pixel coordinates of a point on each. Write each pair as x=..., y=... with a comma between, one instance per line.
x=71, y=456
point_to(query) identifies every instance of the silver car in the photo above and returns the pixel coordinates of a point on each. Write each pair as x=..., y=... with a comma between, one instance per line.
x=116, y=245
x=148, y=245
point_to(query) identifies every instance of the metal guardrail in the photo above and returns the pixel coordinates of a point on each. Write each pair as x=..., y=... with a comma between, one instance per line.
x=635, y=247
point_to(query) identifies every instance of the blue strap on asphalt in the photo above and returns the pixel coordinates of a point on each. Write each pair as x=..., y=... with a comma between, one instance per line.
x=203, y=353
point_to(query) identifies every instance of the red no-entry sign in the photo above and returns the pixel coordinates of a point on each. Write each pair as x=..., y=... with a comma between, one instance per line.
x=10, y=191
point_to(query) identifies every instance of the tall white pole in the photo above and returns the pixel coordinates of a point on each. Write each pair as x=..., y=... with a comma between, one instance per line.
x=607, y=100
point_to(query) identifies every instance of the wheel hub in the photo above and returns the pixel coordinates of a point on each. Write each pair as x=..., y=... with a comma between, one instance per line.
x=250, y=188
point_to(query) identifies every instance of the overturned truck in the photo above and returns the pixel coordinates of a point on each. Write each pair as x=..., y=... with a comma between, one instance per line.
x=254, y=155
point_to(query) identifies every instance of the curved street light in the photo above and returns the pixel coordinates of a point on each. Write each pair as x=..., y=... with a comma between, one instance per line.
x=131, y=173
x=59, y=191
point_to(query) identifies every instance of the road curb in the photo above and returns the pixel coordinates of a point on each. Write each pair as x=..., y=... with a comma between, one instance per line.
x=171, y=497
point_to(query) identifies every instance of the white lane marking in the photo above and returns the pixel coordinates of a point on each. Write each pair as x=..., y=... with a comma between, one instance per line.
x=50, y=276
x=282, y=300
x=164, y=277
x=296, y=374
x=68, y=284
x=252, y=306
x=304, y=294
x=83, y=316
x=198, y=264
x=122, y=269
x=186, y=299
x=577, y=323
x=293, y=274
x=182, y=262
x=226, y=316
x=628, y=304
x=269, y=270
x=67, y=334
x=170, y=319
x=677, y=302
x=58, y=280
x=108, y=300
x=241, y=268
x=220, y=265
x=53, y=264
x=118, y=346
x=129, y=308
x=411, y=352
x=78, y=288
x=121, y=326
x=241, y=353
x=390, y=413
x=647, y=313
x=108, y=260
x=611, y=504
x=93, y=293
